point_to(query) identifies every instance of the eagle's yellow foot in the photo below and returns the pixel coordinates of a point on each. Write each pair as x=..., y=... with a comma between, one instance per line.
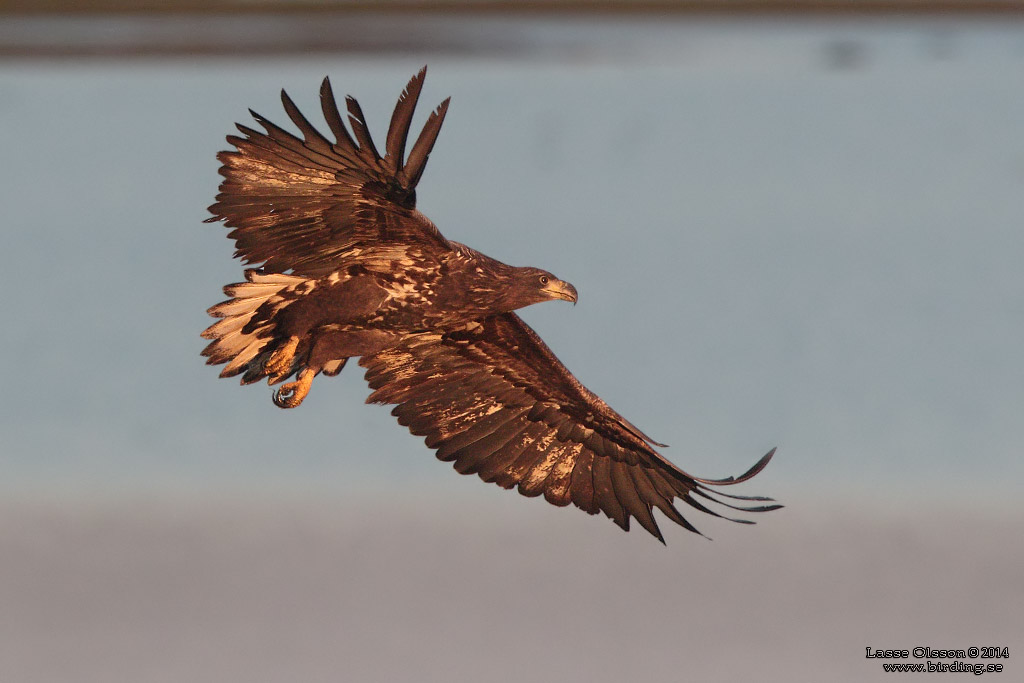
x=279, y=365
x=290, y=395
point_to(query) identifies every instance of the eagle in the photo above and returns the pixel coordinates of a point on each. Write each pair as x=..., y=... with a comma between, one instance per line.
x=344, y=266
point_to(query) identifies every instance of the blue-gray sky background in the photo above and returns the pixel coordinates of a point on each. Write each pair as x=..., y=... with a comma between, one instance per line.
x=784, y=233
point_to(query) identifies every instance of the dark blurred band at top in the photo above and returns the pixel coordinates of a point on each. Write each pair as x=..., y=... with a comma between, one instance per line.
x=9, y=7
x=114, y=29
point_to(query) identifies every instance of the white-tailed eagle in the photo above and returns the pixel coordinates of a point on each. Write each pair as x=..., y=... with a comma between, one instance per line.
x=345, y=266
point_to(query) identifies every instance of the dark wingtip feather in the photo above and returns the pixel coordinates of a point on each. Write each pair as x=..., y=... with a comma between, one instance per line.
x=401, y=119
x=703, y=508
x=259, y=118
x=329, y=106
x=752, y=472
x=313, y=139
x=417, y=160
x=293, y=112
x=357, y=119
x=742, y=508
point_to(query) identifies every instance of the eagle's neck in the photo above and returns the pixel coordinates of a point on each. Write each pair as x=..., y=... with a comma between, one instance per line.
x=476, y=286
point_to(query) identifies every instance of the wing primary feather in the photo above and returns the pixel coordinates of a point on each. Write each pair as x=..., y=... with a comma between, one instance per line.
x=685, y=523
x=604, y=493
x=417, y=160
x=274, y=131
x=669, y=490
x=648, y=488
x=313, y=137
x=688, y=499
x=357, y=120
x=647, y=491
x=626, y=493
x=754, y=508
x=736, y=497
x=758, y=466
x=398, y=131
x=333, y=117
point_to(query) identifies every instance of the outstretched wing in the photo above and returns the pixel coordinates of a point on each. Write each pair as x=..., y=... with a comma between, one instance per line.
x=303, y=204
x=495, y=401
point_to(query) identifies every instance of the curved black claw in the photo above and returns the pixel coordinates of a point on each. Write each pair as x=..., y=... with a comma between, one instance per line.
x=291, y=395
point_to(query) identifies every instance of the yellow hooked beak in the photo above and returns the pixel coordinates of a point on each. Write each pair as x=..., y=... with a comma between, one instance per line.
x=559, y=289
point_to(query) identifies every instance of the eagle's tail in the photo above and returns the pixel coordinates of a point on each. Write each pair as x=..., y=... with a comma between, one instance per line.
x=245, y=338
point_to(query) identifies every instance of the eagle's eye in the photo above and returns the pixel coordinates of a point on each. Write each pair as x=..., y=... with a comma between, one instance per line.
x=543, y=279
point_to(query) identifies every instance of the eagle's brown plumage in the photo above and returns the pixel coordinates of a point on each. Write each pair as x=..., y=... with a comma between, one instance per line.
x=351, y=268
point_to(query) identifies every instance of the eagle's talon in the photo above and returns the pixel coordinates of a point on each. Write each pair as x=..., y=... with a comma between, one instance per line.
x=292, y=394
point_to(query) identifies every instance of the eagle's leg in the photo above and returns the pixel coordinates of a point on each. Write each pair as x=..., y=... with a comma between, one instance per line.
x=279, y=365
x=290, y=395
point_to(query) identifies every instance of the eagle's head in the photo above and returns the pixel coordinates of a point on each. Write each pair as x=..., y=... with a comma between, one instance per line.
x=533, y=285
